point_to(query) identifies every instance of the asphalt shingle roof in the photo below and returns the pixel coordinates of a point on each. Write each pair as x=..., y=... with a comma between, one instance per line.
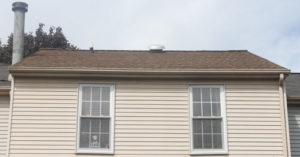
x=4, y=74
x=119, y=59
x=293, y=85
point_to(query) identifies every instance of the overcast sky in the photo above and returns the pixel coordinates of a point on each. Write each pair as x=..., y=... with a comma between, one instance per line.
x=268, y=28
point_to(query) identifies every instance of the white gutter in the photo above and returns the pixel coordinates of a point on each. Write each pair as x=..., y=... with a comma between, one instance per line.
x=147, y=73
x=146, y=70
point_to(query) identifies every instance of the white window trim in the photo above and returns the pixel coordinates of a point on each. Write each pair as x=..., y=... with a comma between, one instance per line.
x=112, y=121
x=224, y=117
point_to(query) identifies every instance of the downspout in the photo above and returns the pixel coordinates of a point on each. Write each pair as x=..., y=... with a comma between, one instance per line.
x=282, y=91
x=11, y=94
x=287, y=120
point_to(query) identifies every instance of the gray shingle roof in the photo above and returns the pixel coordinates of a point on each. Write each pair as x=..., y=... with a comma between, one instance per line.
x=4, y=74
x=293, y=85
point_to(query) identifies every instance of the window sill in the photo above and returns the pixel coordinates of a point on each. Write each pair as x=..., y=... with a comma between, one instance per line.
x=105, y=152
x=209, y=152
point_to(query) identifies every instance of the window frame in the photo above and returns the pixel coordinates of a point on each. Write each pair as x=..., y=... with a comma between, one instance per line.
x=224, y=150
x=112, y=121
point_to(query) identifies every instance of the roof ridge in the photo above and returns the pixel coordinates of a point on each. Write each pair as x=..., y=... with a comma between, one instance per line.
x=143, y=50
x=52, y=48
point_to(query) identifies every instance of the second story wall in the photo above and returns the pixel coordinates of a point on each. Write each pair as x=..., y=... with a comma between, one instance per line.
x=151, y=118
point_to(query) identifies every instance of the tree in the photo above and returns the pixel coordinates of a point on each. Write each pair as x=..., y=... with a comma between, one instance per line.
x=32, y=43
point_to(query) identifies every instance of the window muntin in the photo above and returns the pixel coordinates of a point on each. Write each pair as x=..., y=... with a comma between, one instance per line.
x=95, y=116
x=208, y=120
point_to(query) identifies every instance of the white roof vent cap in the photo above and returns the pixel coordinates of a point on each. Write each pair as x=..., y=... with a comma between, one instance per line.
x=156, y=48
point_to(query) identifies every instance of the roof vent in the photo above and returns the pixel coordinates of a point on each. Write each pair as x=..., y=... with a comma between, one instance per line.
x=156, y=48
x=92, y=48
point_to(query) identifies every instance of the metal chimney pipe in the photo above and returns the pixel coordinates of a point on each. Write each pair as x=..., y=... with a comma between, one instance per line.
x=20, y=8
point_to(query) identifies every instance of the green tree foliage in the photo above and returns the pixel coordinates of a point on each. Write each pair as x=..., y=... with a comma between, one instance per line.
x=54, y=38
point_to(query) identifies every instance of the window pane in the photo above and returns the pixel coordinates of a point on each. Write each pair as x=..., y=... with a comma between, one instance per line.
x=197, y=141
x=96, y=93
x=206, y=109
x=197, y=109
x=86, y=108
x=95, y=125
x=216, y=109
x=105, y=126
x=215, y=94
x=84, y=140
x=95, y=108
x=84, y=133
x=207, y=140
x=206, y=95
x=217, y=143
x=85, y=125
x=105, y=94
x=86, y=93
x=104, y=140
x=197, y=126
x=217, y=126
x=95, y=141
x=105, y=108
x=206, y=126
x=196, y=94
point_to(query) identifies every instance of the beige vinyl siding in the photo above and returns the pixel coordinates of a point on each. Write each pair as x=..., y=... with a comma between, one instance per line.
x=4, y=116
x=151, y=118
x=294, y=124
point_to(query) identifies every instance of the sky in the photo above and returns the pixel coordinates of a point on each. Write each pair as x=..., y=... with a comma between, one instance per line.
x=268, y=28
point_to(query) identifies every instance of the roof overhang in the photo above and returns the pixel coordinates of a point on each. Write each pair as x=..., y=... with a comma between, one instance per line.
x=146, y=73
x=293, y=100
x=4, y=90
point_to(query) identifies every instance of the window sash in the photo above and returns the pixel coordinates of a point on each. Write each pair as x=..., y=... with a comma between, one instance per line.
x=97, y=131
x=213, y=130
x=99, y=116
x=100, y=101
x=206, y=102
x=221, y=116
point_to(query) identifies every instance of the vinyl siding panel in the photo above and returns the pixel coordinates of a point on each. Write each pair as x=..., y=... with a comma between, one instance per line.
x=151, y=118
x=294, y=124
x=4, y=116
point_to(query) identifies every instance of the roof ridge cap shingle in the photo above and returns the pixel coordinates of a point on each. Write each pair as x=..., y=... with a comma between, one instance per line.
x=141, y=50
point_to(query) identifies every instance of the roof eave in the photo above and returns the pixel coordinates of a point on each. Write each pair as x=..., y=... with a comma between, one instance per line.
x=180, y=73
x=293, y=100
x=4, y=90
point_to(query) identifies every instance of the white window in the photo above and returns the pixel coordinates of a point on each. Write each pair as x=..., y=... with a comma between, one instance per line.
x=208, y=119
x=95, y=129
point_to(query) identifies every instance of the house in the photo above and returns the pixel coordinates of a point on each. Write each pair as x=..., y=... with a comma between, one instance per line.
x=148, y=103
x=168, y=103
